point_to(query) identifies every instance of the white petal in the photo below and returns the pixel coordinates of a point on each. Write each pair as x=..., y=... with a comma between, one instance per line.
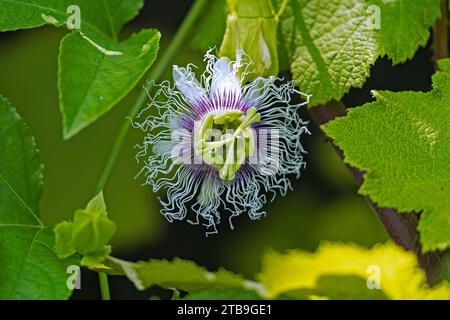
x=188, y=85
x=225, y=80
x=163, y=147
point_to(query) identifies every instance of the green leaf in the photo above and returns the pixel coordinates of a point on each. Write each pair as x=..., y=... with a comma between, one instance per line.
x=29, y=266
x=342, y=271
x=91, y=82
x=95, y=70
x=89, y=234
x=402, y=141
x=102, y=18
x=25, y=14
x=434, y=228
x=180, y=274
x=405, y=26
x=331, y=47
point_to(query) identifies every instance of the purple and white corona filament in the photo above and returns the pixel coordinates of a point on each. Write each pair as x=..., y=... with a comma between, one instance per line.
x=220, y=146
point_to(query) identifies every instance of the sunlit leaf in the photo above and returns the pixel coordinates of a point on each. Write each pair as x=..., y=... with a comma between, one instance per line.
x=341, y=271
x=331, y=45
x=402, y=141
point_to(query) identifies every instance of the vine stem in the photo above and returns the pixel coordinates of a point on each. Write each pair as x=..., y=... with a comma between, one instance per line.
x=440, y=34
x=104, y=286
x=401, y=227
x=282, y=8
x=155, y=74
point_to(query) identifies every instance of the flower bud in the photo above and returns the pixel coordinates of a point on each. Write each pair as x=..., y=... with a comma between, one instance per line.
x=252, y=26
x=89, y=234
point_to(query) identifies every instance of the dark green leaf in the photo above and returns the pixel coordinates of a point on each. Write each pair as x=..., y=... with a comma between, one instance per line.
x=103, y=18
x=180, y=274
x=30, y=268
x=95, y=70
x=92, y=80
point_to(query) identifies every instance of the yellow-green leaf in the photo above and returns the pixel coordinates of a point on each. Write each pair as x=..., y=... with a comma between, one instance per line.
x=400, y=276
x=402, y=142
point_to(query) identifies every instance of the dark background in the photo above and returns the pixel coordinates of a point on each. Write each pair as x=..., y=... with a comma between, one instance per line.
x=324, y=204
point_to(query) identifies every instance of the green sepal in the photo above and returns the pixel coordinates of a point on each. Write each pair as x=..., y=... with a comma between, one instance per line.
x=89, y=234
x=98, y=257
x=63, y=236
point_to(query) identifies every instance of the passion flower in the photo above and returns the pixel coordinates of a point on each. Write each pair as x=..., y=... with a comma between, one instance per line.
x=219, y=146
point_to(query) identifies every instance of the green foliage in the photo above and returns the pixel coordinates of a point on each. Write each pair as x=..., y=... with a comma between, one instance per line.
x=335, y=271
x=91, y=81
x=81, y=160
x=95, y=70
x=25, y=14
x=344, y=218
x=342, y=271
x=89, y=234
x=252, y=26
x=180, y=274
x=30, y=268
x=96, y=15
x=331, y=48
x=402, y=141
x=404, y=26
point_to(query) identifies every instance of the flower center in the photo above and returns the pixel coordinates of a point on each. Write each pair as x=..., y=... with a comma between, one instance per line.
x=225, y=140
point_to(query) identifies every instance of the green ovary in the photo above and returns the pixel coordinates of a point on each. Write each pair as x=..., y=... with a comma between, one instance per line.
x=225, y=140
